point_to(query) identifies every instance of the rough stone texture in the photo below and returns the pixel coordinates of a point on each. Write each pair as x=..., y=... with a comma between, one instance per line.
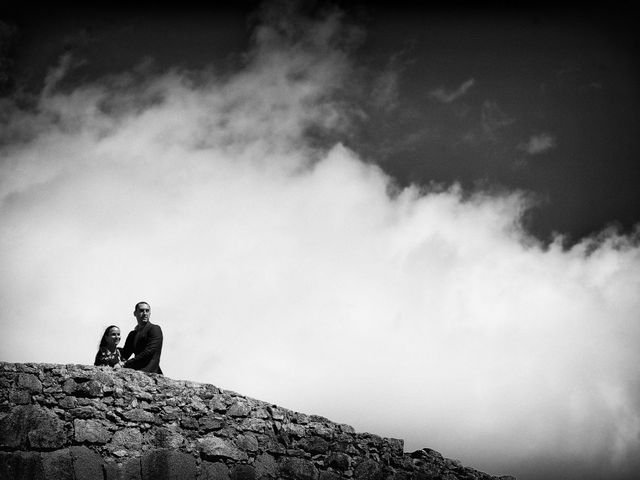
x=21, y=466
x=266, y=466
x=167, y=438
x=139, y=415
x=87, y=464
x=214, y=471
x=339, y=461
x=31, y=426
x=82, y=422
x=29, y=382
x=213, y=447
x=168, y=465
x=91, y=431
x=243, y=472
x=299, y=468
x=58, y=465
x=125, y=470
x=369, y=470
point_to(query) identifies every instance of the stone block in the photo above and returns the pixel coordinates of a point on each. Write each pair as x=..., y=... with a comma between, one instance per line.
x=68, y=402
x=104, y=378
x=294, y=429
x=31, y=426
x=243, y=472
x=314, y=445
x=81, y=373
x=301, y=418
x=239, y=409
x=167, y=438
x=211, y=422
x=87, y=464
x=209, y=391
x=368, y=469
x=402, y=476
x=217, y=404
x=139, y=415
x=325, y=475
x=84, y=412
x=321, y=430
x=197, y=405
x=370, y=439
x=338, y=460
x=266, y=466
x=29, y=382
x=396, y=446
x=92, y=389
x=276, y=412
x=126, y=470
x=49, y=432
x=298, y=469
x=127, y=438
x=189, y=423
x=168, y=464
x=140, y=394
x=254, y=424
x=344, y=447
x=21, y=466
x=214, y=448
x=261, y=412
x=247, y=442
x=428, y=453
x=69, y=386
x=19, y=397
x=15, y=427
x=346, y=428
x=213, y=471
x=58, y=465
x=91, y=431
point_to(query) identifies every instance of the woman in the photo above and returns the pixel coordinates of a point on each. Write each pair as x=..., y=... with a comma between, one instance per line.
x=108, y=352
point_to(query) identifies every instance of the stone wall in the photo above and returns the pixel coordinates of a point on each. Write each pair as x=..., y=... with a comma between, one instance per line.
x=81, y=422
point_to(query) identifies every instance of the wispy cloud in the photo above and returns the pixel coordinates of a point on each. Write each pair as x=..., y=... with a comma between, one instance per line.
x=538, y=144
x=288, y=272
x=445, y=96
x=55, y=75
x=493, y=119
x=384, y=93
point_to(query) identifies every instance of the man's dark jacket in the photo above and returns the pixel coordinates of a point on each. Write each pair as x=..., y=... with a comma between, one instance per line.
x=146, y=343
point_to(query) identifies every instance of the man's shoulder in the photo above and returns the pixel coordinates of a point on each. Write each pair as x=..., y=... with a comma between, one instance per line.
x=155, y=327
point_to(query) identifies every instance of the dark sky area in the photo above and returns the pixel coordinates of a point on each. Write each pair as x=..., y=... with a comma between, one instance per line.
x=565, y=78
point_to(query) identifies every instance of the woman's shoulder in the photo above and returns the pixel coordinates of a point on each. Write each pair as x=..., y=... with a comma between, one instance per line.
x=101, y=355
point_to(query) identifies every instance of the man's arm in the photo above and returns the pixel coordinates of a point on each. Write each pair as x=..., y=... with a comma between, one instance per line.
x=154, y=345
x=127, y=350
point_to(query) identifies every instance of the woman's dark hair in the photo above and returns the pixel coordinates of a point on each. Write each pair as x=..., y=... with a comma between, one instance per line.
x=103, y=340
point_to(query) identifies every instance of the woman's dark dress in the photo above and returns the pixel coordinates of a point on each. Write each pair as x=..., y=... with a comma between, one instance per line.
x=107, y=357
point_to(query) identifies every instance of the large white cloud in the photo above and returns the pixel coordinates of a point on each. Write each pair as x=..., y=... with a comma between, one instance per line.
x=303, y=276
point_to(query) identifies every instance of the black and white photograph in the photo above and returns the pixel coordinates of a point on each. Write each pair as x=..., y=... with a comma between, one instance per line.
x=319, y=240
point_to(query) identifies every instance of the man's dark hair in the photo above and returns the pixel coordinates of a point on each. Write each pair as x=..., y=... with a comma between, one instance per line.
x=140, y=303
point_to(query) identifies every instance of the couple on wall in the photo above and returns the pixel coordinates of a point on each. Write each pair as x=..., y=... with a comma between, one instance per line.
x=144, y=342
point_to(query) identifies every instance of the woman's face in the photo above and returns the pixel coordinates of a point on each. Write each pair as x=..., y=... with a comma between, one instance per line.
x=113, y=337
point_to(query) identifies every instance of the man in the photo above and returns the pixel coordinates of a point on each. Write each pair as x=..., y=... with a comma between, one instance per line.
x=145, y=341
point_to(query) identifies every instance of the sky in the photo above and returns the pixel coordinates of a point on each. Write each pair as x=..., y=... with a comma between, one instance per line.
x=422, y=222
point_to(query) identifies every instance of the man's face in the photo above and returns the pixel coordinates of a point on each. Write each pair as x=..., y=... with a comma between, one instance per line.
x=142, y=313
